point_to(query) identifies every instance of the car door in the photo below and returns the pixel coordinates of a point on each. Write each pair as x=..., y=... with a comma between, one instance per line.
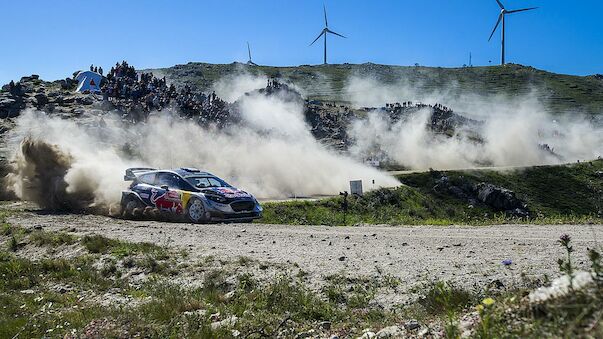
x=166, y=195
x=144, y=186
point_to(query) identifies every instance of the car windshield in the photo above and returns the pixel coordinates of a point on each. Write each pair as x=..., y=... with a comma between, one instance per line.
x=204, y=182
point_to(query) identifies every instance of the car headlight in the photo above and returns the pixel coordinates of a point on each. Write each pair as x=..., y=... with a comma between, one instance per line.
x=216, y=198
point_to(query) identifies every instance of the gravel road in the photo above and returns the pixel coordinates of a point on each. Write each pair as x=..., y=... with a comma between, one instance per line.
x=471, y=255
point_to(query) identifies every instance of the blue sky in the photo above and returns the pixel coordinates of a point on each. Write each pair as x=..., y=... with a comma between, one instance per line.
x=55, y=38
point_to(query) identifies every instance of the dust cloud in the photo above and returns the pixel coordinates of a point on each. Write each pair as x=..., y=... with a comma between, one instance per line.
x=271, y=153
x=514, y=131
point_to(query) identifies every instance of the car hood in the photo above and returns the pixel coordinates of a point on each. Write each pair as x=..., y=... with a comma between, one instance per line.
x=227, y=192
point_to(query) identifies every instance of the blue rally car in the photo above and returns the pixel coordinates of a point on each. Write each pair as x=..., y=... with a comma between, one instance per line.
x=198, y=196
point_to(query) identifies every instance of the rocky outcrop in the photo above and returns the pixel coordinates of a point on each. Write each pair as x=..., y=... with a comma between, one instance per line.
x=495, y=197
x=499, y=198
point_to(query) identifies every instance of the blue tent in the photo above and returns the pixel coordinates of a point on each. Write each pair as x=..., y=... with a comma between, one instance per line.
x=88, y=81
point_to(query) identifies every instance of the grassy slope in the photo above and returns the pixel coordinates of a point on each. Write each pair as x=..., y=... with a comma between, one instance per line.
x=568, y=193
x=562, y=93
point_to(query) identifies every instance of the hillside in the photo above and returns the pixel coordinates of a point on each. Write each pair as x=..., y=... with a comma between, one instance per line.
x=540, y=194
x=560, y=93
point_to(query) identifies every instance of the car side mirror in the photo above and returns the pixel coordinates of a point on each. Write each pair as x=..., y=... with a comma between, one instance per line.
x=164, y=187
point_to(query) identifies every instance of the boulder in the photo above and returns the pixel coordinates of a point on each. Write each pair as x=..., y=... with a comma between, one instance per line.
x=10, y=107
x=85, y=100
x=500, y=199
x=228, y=322
x=41, y=99
x=391, y=332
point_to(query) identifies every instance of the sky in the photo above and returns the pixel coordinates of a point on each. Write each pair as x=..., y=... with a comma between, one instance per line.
x=55, y=38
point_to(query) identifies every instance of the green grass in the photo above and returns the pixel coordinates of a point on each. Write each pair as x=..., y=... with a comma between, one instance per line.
x=55, y=297
x=550, y=191
x=43, y=238
x=553, y=194
x=99, y=244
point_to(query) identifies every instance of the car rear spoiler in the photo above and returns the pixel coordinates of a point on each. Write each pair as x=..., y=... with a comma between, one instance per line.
x=131, y=172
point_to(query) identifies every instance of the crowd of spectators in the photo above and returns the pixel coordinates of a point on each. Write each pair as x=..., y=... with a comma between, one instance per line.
x=138, y=94
x=398, y=107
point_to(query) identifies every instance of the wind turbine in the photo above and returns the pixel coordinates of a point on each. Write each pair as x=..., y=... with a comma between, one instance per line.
x=501, y=17
x=249, y=51
x=324, y=32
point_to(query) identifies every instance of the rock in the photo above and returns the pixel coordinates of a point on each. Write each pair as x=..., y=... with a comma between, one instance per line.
x=457, y=192
x=29, y=78
x=325, y=325
x=229, y=295
x=228, y=322
x=423, y=333
x=496, y=283
x=85, y=100
x=200, y=313
x=342, y=258
x=518, y=213
x=41, y=99
x=390, y=332
x=235, y=333
x=306, y=334
x=367, y=334
x=500, y=199
x=412, y=325
x=10, y=107
x=62, y=289
x=65, y=100
x=27, y=291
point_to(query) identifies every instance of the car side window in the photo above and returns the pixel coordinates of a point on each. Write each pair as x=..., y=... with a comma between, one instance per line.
x=172, y=181
x=214, y=183
x=201, y=182
x=148, y=179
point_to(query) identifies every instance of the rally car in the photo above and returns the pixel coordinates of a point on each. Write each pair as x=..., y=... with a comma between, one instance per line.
x=187, y=192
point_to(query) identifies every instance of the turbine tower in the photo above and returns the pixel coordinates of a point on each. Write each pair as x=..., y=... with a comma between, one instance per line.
x=324, y=33
x=249, y=51
x=501, y=17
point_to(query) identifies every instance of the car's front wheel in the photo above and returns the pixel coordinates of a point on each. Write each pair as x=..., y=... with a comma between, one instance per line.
x=196, y=211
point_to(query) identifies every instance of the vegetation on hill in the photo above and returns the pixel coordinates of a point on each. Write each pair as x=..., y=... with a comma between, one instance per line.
x=561, y=93
x=565, y=193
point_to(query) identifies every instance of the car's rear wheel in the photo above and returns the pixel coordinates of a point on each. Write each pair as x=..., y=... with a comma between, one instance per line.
x=195, y=212
x=132, y=208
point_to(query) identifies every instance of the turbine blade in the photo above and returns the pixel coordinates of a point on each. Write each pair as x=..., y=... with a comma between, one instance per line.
x=521, y=10
x=318, y=37
x=330, y=31
x=500, y=4
x=496, y=26
x=324, y=8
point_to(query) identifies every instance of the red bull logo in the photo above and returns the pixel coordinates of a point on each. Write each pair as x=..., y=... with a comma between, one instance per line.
x=167, y=201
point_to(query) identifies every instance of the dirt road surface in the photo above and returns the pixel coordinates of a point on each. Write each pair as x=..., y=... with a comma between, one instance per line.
x=471, y=255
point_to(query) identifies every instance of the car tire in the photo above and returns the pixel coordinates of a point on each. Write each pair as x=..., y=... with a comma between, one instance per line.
x=195, y=211
x=132, y=208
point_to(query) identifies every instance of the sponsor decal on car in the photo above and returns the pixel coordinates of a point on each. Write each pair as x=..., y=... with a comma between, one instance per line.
x=170, y=200
x=232, y=193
